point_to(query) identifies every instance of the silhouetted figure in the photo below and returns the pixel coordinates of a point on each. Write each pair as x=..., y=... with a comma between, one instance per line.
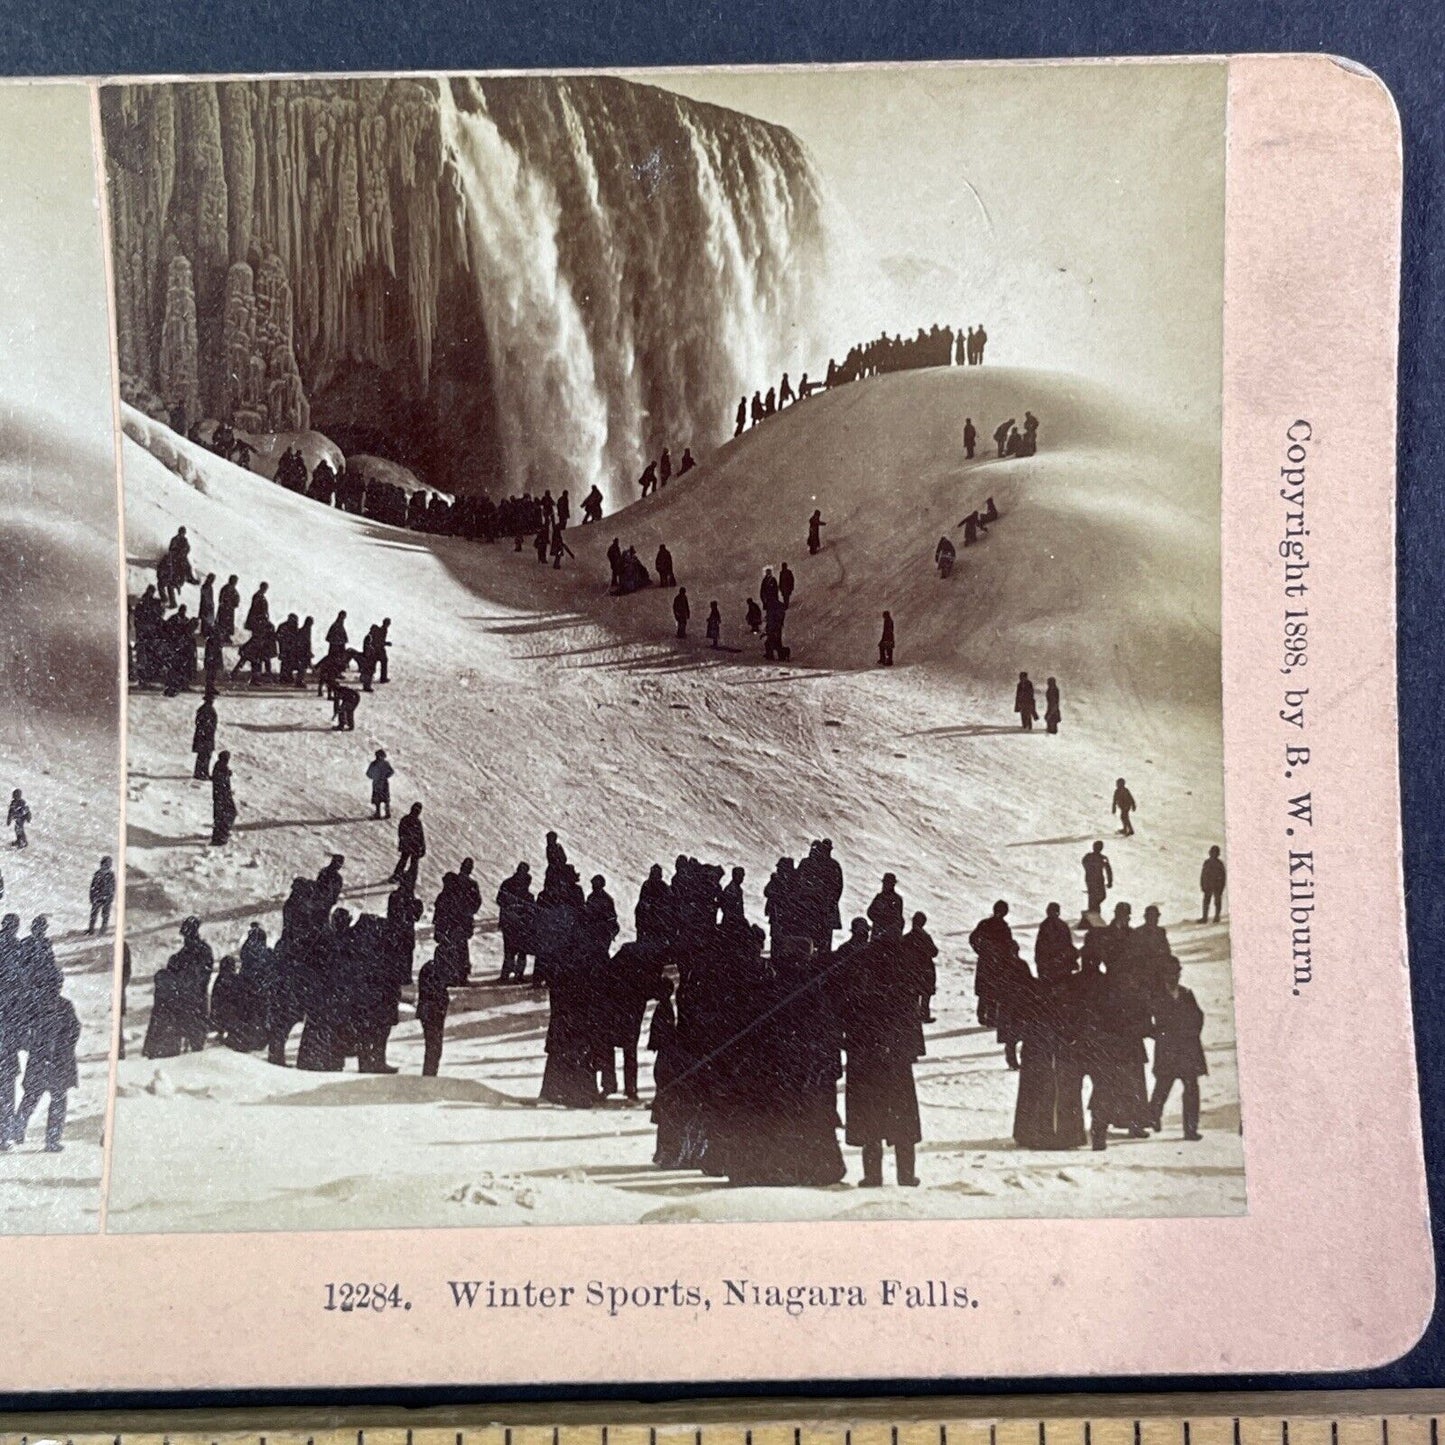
x=592, y=506
x=882, y=1035
x=614, y=562
x=687, y=463
x=180, y=1010
x=815, y=532
x=564, y=509
x=432, y=1000
x=885, y=912
x=206, y=607
x=757, y=408
x=786, y=584
x=714, y=625
x=223, y=800
x=663, y=563
x=50, y=1068
x=514, y=917
x=1052, y=713
x=258, y=614
x=769, y=590
x=785, y=392
x=1098, y=877
x=1123, y=805
x=1049, y=1112
x=742, y=416
x=971, y=528
x=770, y=402
x=920, y=951
x=1000, y=980
x=1054, y=953
x=980, y=340
x=13, y=992
x=754, y=616
x=1024, y=703
x=1001, y=435
x=647, y=482
x=989, y=514
x=681, y=611
x=664, y=467
x=542, y=542
x=18, y=816
x=1029, y=443
x=944, y=555
x=967, y=349
x=410, y=847
x=885, y=642
x=1211, y=884
x=559, y=546
x=970, y=437
x=380, y=771
x=1178, y=1052
x=102, y=896
x=228, y=603
x=344, y=702
x=203, y=736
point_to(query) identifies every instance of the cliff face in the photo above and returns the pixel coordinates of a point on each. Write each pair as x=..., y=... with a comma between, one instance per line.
x=498, y=283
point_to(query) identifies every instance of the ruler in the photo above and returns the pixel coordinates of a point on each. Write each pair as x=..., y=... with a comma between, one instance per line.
x=1327, y=1418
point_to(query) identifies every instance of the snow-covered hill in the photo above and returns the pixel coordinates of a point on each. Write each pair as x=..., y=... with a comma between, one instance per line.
x=524, y=698
x=60, y=743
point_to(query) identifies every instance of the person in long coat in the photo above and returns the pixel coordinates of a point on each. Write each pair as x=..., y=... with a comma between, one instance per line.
x=203, y=735
x=223, y=800
x=1054, y=953
x=1178, y=1052
x=228, y=603
x=50, y=1066
x=1000, y=979
x=784, y=1129
x=570, y=1076
x=1049, y=1113
x=380, y=771
x=327, y=1034
x=1053, y=714
x=514, y=917
x=883, y=1036
x=256, y=981
x=1024, y=703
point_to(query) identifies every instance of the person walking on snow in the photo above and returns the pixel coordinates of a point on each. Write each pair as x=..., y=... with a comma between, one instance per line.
x=1024, y=703
x=1052, y=713
x=681, y=610
x=815, y=532
x=1211, y=884
x=885, y=642
x=410, y=847
x=379, y=770
x=1123, y=805
x=18, y=817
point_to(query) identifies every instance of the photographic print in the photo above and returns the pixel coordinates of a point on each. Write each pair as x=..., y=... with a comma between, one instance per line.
x=674, y=648
x=60, y=665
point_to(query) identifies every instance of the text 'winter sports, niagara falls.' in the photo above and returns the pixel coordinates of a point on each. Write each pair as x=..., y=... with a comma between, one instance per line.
x=1294, y=555
x=621, y=1297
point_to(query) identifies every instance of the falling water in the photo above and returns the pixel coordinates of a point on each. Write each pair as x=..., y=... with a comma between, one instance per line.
x=642, y=261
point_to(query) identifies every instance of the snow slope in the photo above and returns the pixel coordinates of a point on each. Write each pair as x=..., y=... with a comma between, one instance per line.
x=60, y=744
x=525, y=698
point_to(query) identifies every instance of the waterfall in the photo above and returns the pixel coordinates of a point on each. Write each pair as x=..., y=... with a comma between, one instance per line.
x=641, y=261
x=503, y=283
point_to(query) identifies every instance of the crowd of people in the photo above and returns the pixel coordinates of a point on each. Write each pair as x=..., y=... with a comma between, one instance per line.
x=931, y=346
x=755, y=1024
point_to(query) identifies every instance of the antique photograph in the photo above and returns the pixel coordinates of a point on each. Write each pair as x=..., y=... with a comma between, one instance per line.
x=60, y=667
x=674, y=648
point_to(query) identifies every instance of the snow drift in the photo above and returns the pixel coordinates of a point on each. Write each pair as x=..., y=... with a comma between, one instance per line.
x=525, y=698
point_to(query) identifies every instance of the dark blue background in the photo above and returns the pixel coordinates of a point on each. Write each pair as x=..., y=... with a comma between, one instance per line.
x=1403, y=42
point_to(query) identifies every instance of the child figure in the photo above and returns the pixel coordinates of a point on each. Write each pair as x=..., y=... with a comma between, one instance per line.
x=1178, y=1053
